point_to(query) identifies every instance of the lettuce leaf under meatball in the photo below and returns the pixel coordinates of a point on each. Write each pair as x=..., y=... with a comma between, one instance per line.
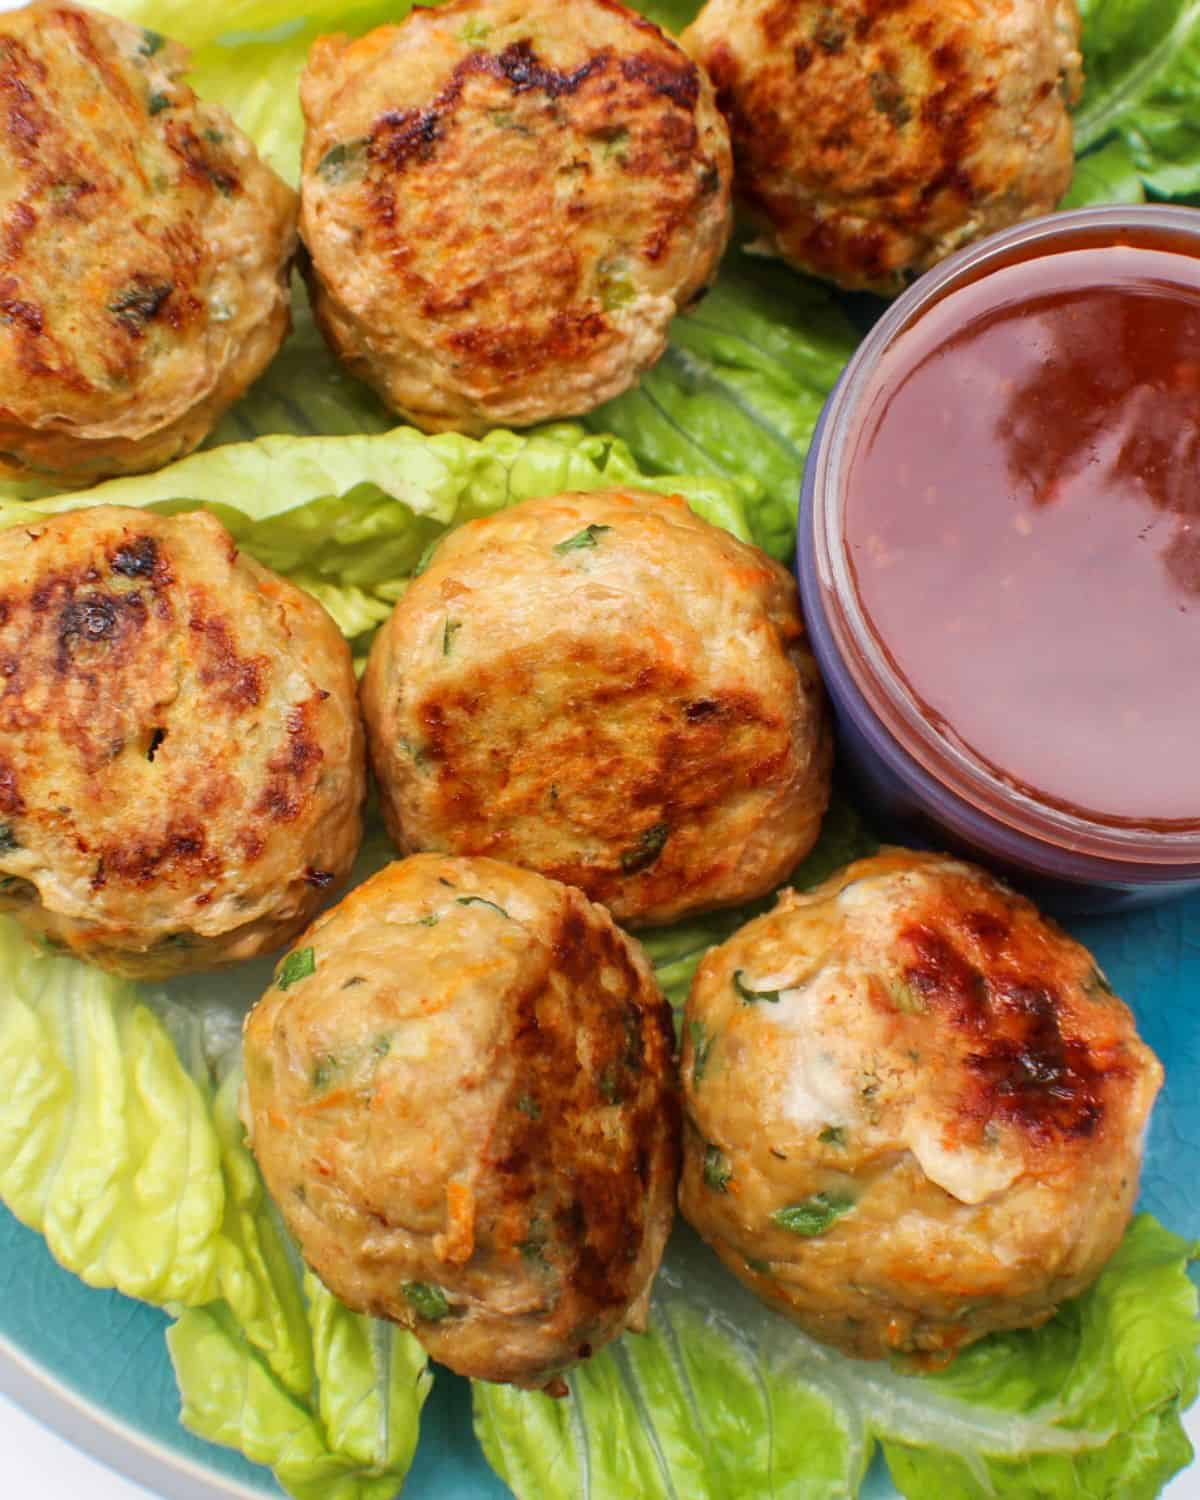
x=1141, y=62
x=723, y=1397
x=351, y=518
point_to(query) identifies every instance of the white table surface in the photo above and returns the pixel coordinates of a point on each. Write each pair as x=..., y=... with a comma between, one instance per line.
x=40, y=1466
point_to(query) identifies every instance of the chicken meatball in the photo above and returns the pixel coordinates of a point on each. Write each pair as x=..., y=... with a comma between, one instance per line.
x=873, y=138
x=506, y=202
x=914, y=1109
x=460, y=1090
x=146, y=252
x=181, y=762
x=608, y=689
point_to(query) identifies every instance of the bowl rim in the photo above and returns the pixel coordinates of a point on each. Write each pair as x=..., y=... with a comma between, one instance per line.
x=1144, y=853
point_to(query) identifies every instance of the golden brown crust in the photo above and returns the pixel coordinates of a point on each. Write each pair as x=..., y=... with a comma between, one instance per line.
x=473, y=1092
x=873, y=137
x=608, y=689
x=506, y=202
x=181, y=763
x=914, y=1045
x=144, y=249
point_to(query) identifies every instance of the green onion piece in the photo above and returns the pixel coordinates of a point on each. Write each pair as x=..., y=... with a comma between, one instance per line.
x=426, y=556
x=8, y=839
x=832, y=1135
x=814, y=1215
x=295, y=967
x=702, y=1045
x=751, y=997
x=585, y=538
x=906, y=998
x=481, y=901
x=645, y=852
x=419, y=758
x=159, y=102
x=426, y=1300
x=717, y=1170
x=1095, y=984
x=610, y=1084
x=342, y=162
x=449, y=631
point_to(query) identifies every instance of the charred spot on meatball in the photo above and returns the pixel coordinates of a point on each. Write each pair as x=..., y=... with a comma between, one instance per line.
x=461, y=1094
x=909, y=1072
x=506, y=202
x=607, y=689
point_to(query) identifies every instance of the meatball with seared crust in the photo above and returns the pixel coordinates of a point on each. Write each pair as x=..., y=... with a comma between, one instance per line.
x=461, y=1093
x=506, y=202
x=610, y=690
x=181, y=763
x=914, y=1108
x=872, y=137
x=145, y=256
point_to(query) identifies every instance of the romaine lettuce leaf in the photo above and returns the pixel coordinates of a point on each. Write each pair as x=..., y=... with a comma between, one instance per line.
x=671, y=15
x=722, y=1397
x=1106, y=175
x=350, y=518
x=1142, y=67
x=374, y=1376
x=739, y=390
x=106, y=1143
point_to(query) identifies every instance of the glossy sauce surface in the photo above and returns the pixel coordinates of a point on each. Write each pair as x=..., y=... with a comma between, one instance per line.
x=1023, y=526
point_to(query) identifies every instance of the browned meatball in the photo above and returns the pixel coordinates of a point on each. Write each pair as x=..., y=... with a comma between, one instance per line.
x=610, y=690
x=146, y=253
x=181, y=762
x=872, y=137
x=506, y=203
x=915, y=1108
x=461, y=1095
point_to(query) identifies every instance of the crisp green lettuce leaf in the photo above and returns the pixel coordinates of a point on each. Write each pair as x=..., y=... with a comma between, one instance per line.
x=671, y=15
x=373, y=1377
x=350, y=518
x=1106, y=175
x=739, y=391
x=1090, y=1404
x=722, y=1397
x=106, y=1146
x=1142, y=66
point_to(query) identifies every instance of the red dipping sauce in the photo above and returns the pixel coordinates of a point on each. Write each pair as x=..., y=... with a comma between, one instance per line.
x=1022, y=526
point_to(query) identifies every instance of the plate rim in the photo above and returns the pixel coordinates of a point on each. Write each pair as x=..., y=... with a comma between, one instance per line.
x=127, y=1451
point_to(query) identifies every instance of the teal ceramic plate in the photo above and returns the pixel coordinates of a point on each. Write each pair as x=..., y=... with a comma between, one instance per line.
x=93, y=1365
